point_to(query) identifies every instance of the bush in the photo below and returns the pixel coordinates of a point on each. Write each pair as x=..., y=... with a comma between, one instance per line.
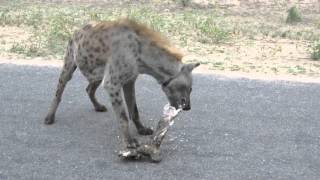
x=316, y=52
x=185, y=2
x=293, y=16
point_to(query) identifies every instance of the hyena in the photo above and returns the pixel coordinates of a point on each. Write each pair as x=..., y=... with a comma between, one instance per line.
x=114, y=54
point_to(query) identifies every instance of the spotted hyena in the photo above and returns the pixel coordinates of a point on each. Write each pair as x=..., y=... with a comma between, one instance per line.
x=114, y=54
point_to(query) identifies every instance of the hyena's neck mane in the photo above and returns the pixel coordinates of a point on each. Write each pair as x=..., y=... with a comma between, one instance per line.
x=158, y=57
x=155, y=37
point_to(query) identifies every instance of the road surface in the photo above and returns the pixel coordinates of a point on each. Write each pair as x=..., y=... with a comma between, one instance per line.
x=237, y=129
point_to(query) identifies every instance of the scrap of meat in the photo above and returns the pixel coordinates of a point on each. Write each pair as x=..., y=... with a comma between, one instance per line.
x=152, y=148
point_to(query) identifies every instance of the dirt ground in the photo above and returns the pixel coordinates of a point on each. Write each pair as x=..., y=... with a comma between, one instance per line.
x=265, y=57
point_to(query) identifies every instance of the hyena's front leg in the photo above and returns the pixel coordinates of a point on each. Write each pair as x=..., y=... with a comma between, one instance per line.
x=91, y=90
x=121, y=114
x=66, y=74
x=129, y=93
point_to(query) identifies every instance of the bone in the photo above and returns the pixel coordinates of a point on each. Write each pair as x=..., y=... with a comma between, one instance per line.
x=152, y=148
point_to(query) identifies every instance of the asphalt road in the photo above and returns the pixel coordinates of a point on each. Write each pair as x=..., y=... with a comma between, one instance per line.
x=237, y=129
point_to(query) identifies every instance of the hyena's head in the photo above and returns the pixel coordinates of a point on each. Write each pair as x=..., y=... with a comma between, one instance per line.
x=178, y=89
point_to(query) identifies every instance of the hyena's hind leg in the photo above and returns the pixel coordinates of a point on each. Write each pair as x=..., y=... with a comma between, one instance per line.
x=91, y=90
x=66, y=74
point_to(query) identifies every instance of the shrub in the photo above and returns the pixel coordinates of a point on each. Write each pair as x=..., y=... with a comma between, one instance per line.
x=316, y=52
x=293, y=16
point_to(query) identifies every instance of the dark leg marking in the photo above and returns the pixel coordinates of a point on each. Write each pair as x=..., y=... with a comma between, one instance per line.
x=122, y=117
x=129, y=93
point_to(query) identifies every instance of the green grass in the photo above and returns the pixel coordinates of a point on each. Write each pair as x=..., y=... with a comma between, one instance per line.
x=52, y=25
x=28, y=50
x=211, y=31
x=297, y=70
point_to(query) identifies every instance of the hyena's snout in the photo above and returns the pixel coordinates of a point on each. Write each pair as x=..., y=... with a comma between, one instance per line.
x=186, y=106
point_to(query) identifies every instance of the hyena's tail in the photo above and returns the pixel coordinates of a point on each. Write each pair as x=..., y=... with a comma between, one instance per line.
x=69, y=54
x=69, y=67
x=69, y=64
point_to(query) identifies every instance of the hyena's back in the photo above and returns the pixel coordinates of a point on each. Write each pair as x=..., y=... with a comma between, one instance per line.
x=94, y=45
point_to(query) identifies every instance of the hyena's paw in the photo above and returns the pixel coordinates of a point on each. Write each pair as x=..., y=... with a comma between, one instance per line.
x=156, y=156
x=145, y=131
x=100, y=108
x=132, y=143
x=49, y=119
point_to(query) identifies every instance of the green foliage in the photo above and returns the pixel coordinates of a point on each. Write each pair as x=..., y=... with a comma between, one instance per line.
x=212, y=30
x=59, y=30
x=293, y=16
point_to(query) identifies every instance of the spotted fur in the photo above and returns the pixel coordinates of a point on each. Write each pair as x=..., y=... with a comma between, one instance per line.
x=114, y=54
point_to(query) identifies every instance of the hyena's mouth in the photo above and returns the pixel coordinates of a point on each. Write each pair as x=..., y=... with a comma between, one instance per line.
x=185, y=107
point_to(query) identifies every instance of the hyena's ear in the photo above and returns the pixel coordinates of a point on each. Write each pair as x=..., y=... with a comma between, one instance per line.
x=187, y=68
